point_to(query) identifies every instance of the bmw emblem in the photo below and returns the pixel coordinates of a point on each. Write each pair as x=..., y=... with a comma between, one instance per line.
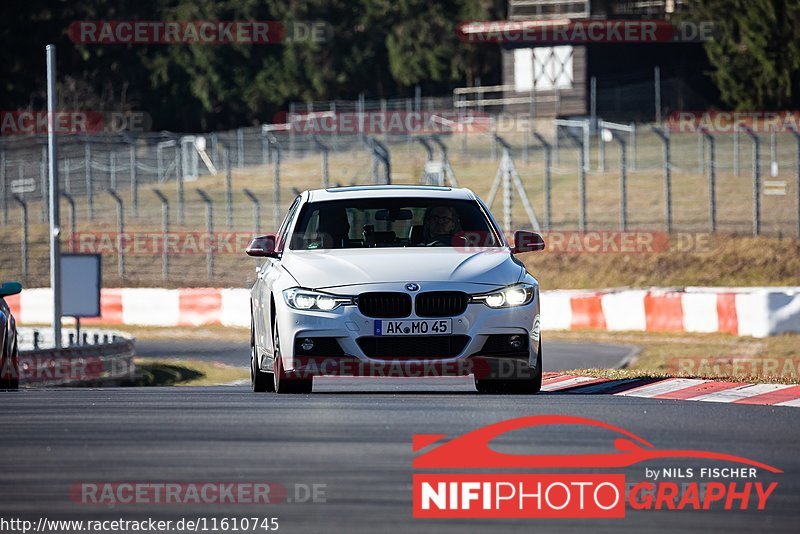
x=412, y=287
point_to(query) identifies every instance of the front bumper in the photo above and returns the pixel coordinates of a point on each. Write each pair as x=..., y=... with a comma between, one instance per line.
x=347, y=324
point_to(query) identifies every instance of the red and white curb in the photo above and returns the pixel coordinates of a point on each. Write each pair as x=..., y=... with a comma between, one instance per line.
x=753, y=311
x=692, y=389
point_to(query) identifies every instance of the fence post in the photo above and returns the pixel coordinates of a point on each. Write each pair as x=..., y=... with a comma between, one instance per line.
x=623, y=184
x=756, y=178
x=134, y=181
x=24, y=247
x=712, y=180
x=120, y=233
x=71, y=202
x=210, y=231
x=164, y=233
x=773, y=152
x=736, y=152
x=325, y=169
x=112, y=169
x=582, y=218
x=228, y=188
x=256, y=211
x=87, y=156
x=179, y=181
x=633, y=146
x=67, y=179
x=664, y=136
x=547, y=179
x=276, y=184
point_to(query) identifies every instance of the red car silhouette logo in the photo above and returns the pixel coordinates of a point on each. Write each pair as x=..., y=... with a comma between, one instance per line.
x=472, y=451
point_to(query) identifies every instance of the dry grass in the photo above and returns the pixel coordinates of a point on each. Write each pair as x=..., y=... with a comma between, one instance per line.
x=715, y=356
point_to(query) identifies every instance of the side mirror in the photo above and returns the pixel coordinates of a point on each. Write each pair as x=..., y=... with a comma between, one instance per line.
x=262, y=246
x=527, y=242
x=10, y=288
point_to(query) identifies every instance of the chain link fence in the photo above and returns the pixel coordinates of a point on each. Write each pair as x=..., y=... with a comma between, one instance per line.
x=176, y=210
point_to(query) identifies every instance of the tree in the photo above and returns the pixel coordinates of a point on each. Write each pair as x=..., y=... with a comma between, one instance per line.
x=755, y=52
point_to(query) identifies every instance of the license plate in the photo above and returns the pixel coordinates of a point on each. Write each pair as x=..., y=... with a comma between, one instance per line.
x=413, y=327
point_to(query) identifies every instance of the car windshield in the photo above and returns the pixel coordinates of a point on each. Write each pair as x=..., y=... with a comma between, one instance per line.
x=393, y=222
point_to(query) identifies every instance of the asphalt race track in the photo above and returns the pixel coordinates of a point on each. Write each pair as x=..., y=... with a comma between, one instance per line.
x=354, y=436
x=557, y=356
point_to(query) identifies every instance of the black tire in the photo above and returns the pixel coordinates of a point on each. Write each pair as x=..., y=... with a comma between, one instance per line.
x=260, y=381
x=10, y=369
x=520, y=386
x=280, y=381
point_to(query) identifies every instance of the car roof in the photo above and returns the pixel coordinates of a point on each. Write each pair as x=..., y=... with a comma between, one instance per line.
x=383, y=191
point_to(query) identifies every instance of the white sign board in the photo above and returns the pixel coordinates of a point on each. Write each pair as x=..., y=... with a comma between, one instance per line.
x=80, y=285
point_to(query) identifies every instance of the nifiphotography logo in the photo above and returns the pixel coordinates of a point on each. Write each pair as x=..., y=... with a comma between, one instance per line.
x=721, y=482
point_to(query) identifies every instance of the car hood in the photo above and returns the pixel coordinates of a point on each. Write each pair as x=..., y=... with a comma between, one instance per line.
x=333, y=268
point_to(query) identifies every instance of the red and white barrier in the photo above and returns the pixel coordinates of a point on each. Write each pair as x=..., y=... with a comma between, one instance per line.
x=756, y=311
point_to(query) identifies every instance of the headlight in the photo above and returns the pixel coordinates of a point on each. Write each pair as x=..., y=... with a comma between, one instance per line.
x=306, y=299
x=508, y=297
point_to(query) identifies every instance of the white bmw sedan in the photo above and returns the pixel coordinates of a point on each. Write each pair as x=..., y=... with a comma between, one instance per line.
x=406, y=281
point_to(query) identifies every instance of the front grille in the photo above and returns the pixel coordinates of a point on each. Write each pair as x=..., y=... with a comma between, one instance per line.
x=441, y=303
x=413, y=347
x=384, y=305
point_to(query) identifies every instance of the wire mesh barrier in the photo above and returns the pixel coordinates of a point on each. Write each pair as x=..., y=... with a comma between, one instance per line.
x=172, y=210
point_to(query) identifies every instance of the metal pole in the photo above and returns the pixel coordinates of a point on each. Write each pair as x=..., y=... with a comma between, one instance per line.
x=701, y=153
x=164, y=233
x=228, y=188
x=632, y=136
x=276, y=186
x=112, y=168
x=179, y=181
x=24, y=243
x=547, y=179
x=325, y=169
x=87, y=157
x=756, y=179
x=240, y=147
x=55, y=230
x=120, y=234
x=134, y=181
x=210, y=231
x=664, y=135
x=623, y=186
x=773, y=152
x=736, y=152
x=657, y=80
x=593, y=99
x=71, y=202
x=712, y=181
x=256, y=211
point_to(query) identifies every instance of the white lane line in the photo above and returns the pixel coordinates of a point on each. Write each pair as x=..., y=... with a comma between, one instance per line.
x=793, y=402
x=743, y=392
x=659, y=388
x=566, y=384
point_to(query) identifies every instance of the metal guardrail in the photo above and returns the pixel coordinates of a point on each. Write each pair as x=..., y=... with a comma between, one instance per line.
x=96, y=357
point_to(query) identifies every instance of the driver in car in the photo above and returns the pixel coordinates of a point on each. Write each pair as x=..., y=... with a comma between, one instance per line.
x=440, y=224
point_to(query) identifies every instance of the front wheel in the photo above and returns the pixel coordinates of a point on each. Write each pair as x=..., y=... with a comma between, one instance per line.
x=519, y=386
x=283, y=382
